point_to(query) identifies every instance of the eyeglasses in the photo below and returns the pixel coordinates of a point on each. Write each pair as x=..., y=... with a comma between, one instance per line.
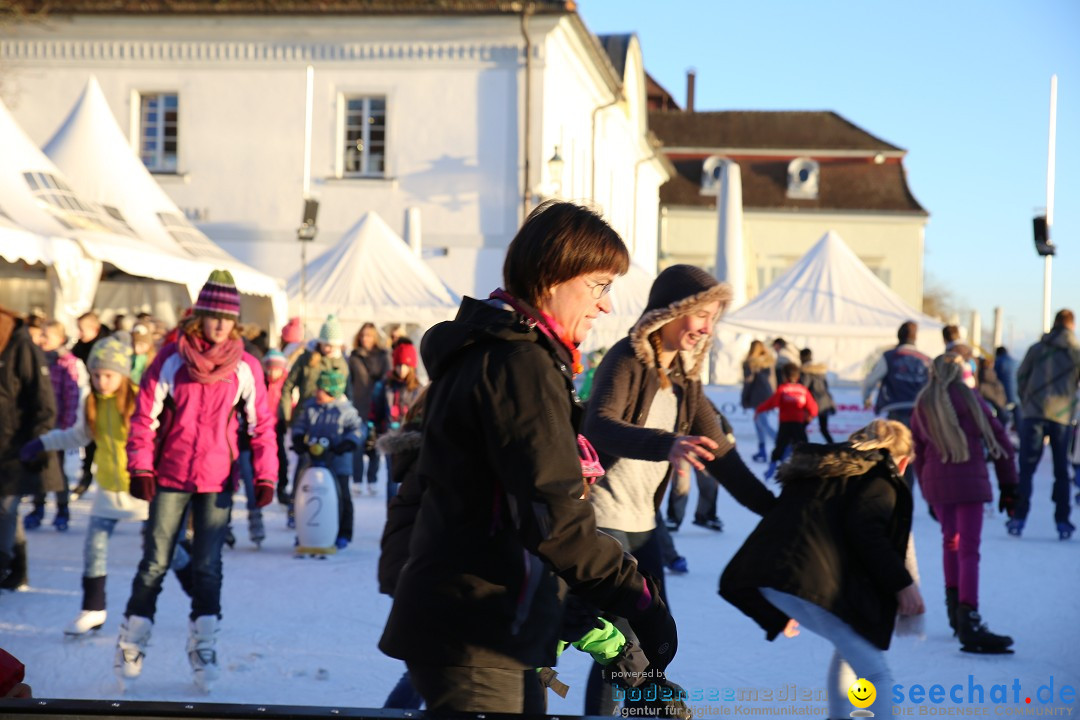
x=599, y=290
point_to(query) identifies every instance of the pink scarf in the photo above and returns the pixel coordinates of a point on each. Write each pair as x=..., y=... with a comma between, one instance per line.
x=547, y=325
x=209, y=363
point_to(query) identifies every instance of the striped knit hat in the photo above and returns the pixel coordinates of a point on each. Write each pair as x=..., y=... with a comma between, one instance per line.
x=219, y=297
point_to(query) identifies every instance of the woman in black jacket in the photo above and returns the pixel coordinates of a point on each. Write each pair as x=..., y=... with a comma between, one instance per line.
x=478, y=606
x=649, y=419
x=830, y=555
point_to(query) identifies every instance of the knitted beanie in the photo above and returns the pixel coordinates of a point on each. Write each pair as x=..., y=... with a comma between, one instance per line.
x=404, y=354
x=330, y=332
x=219, y=297
x=111, y=353
x=293, y=332
x=274, y=358
x=331, y=382
x=676, y=283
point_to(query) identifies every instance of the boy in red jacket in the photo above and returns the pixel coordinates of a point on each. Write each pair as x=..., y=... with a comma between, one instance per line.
x=797, y=408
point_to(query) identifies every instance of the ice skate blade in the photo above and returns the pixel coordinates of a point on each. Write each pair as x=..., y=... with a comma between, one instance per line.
x=976, y=650
x=87, y=633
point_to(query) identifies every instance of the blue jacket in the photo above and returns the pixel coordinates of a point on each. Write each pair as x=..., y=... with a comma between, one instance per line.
x=337, y=422
x=1005, y=369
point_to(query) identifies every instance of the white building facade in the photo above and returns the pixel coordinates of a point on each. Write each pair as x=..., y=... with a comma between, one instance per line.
x=415, y=105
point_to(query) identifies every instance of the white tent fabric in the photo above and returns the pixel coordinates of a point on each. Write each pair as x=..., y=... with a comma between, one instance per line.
x=370, y=274
x=629, y=296
x=92, y=152
x=830, y=302
x=35, y=195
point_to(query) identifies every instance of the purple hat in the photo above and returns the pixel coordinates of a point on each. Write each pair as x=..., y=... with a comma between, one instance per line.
x=219, y=297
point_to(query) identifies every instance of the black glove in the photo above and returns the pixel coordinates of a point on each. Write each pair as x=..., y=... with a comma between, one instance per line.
x=298, y=445
x=345, y=446
x=1007, y=499
x=369, y=443
x=655, y=629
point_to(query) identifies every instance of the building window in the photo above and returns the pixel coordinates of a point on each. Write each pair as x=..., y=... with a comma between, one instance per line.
x=364, y=141
x=158, y=132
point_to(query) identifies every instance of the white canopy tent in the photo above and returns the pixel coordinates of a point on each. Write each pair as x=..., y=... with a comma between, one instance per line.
x=371, y=275
x=629, y=296
x=36, y=198
x=92, y=152
x=830, y=302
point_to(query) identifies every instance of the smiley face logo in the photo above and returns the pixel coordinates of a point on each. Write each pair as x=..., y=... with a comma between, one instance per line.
x=862, y=693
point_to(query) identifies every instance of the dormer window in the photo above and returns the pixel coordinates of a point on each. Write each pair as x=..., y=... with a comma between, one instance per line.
x=802, y=175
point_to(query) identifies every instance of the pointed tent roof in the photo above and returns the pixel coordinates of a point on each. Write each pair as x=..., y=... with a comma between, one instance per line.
x=831, y=302
x=370, y=274
x=36, y=196
x=831, y=291
x=94, y=155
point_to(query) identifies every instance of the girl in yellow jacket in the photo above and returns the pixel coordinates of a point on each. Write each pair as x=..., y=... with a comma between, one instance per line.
x=104, y=418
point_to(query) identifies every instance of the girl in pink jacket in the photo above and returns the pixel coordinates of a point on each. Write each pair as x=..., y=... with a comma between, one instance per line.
x=181, y=451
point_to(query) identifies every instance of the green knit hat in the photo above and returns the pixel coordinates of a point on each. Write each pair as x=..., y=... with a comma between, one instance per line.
x=331, y=382
x=219, y=297
x=330, y=333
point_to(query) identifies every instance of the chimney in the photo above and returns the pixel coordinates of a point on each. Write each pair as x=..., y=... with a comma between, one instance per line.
x=690, y=75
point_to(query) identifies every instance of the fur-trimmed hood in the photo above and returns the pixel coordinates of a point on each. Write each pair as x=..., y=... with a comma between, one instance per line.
x=815, y=369
x=822, y=462
x=399, y=441
x=678, y=291
x=757, y=363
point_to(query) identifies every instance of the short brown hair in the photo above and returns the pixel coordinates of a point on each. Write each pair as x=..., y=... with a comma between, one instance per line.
x=1064, y=318
x=560, y=241
x=792, y=371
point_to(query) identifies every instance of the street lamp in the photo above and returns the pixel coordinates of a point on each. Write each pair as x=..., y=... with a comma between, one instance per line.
x=305, y=234
x=555, y=168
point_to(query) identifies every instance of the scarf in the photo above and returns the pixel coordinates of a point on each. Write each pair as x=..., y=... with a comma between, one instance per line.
x=208, y=363
x=547, y=325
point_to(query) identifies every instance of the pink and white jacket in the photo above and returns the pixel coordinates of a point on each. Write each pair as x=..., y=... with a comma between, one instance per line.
x=186, y=432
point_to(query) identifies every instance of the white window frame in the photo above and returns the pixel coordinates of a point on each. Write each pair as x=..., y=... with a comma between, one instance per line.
x=160, y=164
x=343, y=98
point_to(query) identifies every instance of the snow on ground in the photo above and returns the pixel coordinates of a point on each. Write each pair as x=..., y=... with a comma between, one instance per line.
x=302, y=631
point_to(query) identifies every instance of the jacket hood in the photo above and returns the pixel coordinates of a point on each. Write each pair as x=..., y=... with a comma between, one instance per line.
x=758, y=363
x=1060, y=337
x=677, y=291
x=816, y=369
x=9, y=323
x=818, y=462
x=476, y=321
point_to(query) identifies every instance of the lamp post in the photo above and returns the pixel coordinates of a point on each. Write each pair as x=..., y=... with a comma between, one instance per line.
x=555, y=168
x=306, y=234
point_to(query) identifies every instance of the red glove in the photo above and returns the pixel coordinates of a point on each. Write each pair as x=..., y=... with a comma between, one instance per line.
x=12, y=673
x=143, y=485
x=264, y=492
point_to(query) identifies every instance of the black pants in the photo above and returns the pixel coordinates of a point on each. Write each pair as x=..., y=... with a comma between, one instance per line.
x=706, y=499
x=345, y=507
x=823, y=424
x=647, y=548
x=788, y=434
x=454, y=689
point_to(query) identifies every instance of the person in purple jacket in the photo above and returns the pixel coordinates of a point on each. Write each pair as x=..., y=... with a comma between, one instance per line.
x=181, y=449
x=954, y=431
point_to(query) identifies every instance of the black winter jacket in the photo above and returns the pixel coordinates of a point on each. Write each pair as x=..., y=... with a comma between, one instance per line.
x=837, y=538
x=501, y=514
x=402, y=447
x=27, y=411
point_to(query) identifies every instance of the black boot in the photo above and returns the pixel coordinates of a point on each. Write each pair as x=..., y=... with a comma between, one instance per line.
x=16, y=577
x=974, y=636
x=952, y=599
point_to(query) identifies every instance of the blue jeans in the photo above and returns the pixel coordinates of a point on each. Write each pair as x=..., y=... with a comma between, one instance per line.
x=764, y=430
x=1032, y=432
x=210, y=520
x=867, y=660
x=96, y=550
x=404, y=696
x=247, y=476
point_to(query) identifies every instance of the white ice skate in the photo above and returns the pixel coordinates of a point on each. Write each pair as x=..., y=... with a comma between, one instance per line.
x=87, y=621
x=131, y=646
x=202, y=652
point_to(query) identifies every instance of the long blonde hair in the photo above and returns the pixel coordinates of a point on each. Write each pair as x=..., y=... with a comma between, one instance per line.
x=936, y=408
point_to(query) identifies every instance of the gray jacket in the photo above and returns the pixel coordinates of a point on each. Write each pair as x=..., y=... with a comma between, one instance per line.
x=1048, y=377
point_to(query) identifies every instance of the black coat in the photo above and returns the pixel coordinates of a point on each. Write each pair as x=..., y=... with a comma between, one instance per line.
x=500, y=515
x=27, y=411
x=837, y=538
x=402, y=447
x=365, y=369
